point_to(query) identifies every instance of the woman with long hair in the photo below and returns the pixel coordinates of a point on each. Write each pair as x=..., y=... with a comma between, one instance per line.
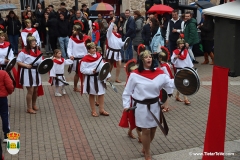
x=29, y=76
x=34, y=22
x=13, y=30
x=149, y=81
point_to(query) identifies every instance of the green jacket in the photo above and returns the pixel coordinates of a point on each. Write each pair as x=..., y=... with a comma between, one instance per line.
x=190, y=32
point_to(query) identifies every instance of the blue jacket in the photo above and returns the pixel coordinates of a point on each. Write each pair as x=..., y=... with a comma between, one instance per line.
x=157, y=38
x=130, y=29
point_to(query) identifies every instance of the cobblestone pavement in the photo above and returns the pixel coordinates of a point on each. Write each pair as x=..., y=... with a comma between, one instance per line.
x=63, y=128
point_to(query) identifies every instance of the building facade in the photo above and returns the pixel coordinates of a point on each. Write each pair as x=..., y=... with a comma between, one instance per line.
x=119, y=5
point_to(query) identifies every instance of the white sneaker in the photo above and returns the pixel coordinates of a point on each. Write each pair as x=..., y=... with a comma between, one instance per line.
x=64, y=91
x=5, y=140
x=58, y=94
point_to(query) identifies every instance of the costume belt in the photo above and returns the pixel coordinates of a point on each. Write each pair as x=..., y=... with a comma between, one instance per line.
x=117, y=51
x=95, y=82
x=29, y=75
x=56, y=79
x=148, y=102
x=77, y=67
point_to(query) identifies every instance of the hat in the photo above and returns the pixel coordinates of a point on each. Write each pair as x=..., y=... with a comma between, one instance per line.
x=91, y=45
x=79, y=23
x=27, y=21
x=31, y=38
x=180, y=41
x=144, y=54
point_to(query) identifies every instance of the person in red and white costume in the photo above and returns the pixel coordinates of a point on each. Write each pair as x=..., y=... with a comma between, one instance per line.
x=167, y=68
x=148, y=81
x=92, y=85
x=115, y=44
x=29, y=30
x=180, y=59
x=5, y=50
x=76, y=51
x=28, y=74
x=57, y=72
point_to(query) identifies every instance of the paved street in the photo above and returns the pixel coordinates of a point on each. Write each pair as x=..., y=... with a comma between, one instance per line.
x=64, y=129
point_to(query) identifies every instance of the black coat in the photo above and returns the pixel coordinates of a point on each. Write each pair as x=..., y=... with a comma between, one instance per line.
x=13, y=26
x=130, y=28
x=146, y=34
x=207, y=29
x=63, y=28
x=52, y=25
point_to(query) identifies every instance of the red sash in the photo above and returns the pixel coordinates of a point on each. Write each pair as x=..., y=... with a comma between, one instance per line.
x=29, y=31
x=149, y=74
x=117, y=34
x=76, y=40
x=86, y=58
x=34, y=54
x=58, y=61
x=5, y=44
x=181, y=56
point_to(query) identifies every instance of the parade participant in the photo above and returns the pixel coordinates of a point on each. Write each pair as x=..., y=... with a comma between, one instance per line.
x=30, y=30
x=115, y=44
x=92, y=85
x=148, y=81
x=180, y=59
x=29, y=76
x=57, y=72
x=76, y=51
x=6, y=53
x=166, y=67
x=6, y=88
x=95, y=33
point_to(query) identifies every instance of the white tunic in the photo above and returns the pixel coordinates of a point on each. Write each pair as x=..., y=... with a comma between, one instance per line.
x=59, y=69
x=140, y=88
x=87, y=69
x=114, y=43
x=164, y=68
x=35, y=34
x=3, y=54
x=28, y=59
x=178, y=63
x=77, y=50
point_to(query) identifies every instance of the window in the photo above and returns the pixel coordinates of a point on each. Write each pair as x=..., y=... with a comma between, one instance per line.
x=31, y=3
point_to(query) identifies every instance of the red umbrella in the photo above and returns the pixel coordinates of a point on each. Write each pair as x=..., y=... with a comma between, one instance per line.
x=160, y=9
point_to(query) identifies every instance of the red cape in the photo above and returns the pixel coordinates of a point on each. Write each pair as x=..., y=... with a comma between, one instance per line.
x=149, y=74
x=76, y=40
x=168, y=69
x=86, y=58
x=5, y=44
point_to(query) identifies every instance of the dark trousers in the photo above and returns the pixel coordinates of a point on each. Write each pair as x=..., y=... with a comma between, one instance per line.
x=13, y=39
x=4, y=115
x=53, y=42
x=172, y=46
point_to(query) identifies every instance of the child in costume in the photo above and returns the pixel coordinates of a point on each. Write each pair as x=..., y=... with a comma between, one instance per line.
x=57, y=72
x=25, y=32
x=92, y=85
x=95, y=33
x=180, y=59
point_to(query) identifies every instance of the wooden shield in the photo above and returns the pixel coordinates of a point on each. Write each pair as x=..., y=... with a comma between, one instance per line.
x=126, y=43
x=11, y=64
x=45, y=66
x=104, y=71
x=187, y=81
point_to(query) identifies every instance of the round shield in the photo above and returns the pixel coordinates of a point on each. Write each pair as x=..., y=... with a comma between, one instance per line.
x=45, y=66
x=126, y=43
x=130, y=66
x=187, y=81
x=164, y=96
x=11, y=64
x=104, y=71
